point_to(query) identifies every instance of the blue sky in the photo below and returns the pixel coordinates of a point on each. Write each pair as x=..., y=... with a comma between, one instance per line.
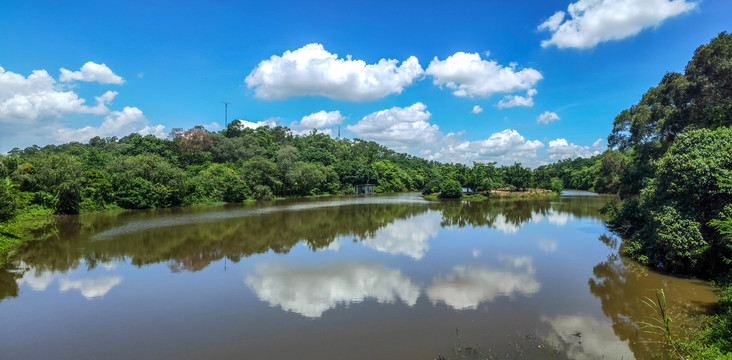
x=405, y=74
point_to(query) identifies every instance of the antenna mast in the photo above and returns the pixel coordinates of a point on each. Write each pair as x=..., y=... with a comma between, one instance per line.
x=226, y=113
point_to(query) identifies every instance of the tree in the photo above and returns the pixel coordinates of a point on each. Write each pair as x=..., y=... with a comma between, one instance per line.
x=450, y=189
x=517, y=175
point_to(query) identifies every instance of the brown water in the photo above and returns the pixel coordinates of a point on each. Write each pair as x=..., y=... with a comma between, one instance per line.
x=380, y=277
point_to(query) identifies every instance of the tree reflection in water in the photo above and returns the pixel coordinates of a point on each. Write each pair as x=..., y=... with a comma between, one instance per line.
x=622, y=284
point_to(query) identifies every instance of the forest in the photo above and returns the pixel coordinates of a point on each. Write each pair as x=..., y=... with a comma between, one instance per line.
x=232, y=165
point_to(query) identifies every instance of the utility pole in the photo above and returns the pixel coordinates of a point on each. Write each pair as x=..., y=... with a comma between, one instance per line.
x=226, y=113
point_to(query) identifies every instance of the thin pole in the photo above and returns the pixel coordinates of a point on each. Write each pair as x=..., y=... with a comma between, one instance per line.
x=226, y=113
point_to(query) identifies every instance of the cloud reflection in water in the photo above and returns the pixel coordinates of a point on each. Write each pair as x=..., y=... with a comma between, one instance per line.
x=467, y=287
x=91, y=288
x=310, y=291
x=595, y=341
x=405, y=237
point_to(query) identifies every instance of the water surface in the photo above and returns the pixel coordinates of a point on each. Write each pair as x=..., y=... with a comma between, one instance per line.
x=379, y=277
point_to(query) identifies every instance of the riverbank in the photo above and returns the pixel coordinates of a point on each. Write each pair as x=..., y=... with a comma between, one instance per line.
x=501, y=193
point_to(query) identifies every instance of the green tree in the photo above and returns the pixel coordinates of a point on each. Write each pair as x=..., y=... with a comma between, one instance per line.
x=450, y=189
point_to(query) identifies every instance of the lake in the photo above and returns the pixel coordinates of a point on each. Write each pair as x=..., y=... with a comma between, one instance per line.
x=376, y=277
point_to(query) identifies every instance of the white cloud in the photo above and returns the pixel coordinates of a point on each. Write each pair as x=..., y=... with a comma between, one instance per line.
x=244, y=124
x=560, y=149
x=469, y=75
x=406, y=237
x=547, y=117
x=313, y=71
x=310, y=291
x=116, y=123
x=515, y=100
x=594, y=21
x=91, y=288
x=213, y=126
x=23, y=100
x=91, y=71
x=468, y=287
x=400, y=128
x=477, y=109
x=33, y=108
x=320, y=121
x=408, y=130
x=504, y=147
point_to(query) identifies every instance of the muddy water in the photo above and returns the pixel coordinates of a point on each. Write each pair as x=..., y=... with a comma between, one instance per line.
x=380, y=277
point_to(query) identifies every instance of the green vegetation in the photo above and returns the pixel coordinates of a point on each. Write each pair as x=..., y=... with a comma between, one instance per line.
x=671, y=164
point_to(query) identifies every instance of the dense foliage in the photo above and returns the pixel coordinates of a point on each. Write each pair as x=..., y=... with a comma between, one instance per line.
x=196, y=166
x=673, y=161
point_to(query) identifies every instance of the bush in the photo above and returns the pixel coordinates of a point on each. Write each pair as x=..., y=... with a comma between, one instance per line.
x=679, y=239
x=262, y=192
x=556, y=185
x=450, y=189
x=69, y=198
x=7, y=201
x=236, y=190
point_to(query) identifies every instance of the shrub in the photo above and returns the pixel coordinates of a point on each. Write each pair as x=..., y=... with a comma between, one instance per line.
x=262, y=192
x=450, y=189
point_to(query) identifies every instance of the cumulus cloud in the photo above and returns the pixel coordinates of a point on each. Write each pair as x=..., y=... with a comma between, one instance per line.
x=561, y=149
x=33, y=108
x=321, y=121
x=515, y=100
x=310, y=291
x=116, y=123
x=408, y=130
x=313, y=71
x=90, y=288
x=594, y=21
x=24, y=100
x=477, y=109
x=547, y=117
x=469, y=75
x=406, y=237
x=92, y=71
x=400, y=128
x=244, y=124
x=504, y=147
x=467, y=287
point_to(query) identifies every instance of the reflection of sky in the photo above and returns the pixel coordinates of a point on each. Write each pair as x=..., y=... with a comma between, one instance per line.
x=37, y=280
x=405, y=237
x=558, y=218
x=467, y=287
x=88, y=287
x=92, y=287
x=310, y=291
x=597, y=339
x=547, y=245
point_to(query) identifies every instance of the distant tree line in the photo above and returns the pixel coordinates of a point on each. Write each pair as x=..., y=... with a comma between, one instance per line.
x=232, y=165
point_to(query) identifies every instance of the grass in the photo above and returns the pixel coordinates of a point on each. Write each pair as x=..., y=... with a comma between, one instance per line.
x=14, y=232
x=714, y=342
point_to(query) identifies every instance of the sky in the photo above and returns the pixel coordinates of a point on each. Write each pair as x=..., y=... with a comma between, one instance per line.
x=453, y=81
